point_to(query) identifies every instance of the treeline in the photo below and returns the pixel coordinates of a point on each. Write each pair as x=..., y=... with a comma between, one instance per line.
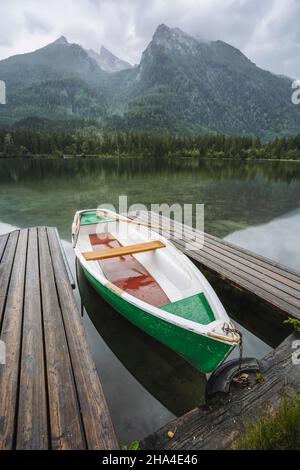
x=25, y=143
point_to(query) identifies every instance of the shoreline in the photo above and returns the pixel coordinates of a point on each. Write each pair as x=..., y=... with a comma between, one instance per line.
x=141, y=157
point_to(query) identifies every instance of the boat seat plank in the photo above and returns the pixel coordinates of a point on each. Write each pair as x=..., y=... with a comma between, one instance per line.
x=123, y=251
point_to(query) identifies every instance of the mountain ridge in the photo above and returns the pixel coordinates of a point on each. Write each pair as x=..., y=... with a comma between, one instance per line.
x=182, y=85
x=107, y=61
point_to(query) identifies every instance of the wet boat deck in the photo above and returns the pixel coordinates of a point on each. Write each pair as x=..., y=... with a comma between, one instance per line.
x=127, y=273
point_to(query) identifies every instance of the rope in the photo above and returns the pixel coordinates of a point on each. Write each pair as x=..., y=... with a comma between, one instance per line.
x=229, y=329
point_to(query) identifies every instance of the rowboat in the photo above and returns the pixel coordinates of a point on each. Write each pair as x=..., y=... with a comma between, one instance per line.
x=143, y=276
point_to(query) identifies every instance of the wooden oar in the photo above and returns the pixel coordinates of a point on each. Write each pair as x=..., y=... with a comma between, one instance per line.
x=130, y=221
x=123, y=218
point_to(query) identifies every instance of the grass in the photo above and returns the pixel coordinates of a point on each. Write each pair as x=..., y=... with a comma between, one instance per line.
x=278, y=432
x=135, y=445
x=294, y=323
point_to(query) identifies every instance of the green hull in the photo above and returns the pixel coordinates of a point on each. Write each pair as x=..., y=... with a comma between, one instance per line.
x=202, y=352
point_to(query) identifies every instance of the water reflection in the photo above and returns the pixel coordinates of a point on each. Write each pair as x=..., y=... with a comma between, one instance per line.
x=278, y=240
x=6, y=228
x=170, y=379
x=145, y=383
x=236, y=194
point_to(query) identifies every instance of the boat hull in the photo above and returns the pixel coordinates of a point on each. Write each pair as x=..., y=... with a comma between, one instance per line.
x=204, y=353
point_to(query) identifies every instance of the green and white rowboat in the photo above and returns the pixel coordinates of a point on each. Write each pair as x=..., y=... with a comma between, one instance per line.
x=150, y=282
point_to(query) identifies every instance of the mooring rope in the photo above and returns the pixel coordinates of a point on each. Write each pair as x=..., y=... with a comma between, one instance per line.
x=229, y=329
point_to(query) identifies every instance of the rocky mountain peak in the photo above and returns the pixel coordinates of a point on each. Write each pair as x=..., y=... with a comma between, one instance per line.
x=172, y=38
x=108, y=61
x=62, y=40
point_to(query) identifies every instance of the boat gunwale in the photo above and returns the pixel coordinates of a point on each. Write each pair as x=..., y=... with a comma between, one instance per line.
x=190, y=325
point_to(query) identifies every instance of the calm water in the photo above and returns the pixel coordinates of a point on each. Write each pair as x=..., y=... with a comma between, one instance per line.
x=254, y=204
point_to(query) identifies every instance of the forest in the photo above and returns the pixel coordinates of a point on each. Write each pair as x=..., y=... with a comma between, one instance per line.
x=60, y=144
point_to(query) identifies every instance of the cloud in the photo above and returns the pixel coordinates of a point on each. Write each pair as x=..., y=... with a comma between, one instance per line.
x=266, y=31
x=34, y=24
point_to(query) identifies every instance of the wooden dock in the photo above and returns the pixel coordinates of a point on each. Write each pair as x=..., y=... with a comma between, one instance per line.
x=50, y=392
x=269, y=282
x=217, y=425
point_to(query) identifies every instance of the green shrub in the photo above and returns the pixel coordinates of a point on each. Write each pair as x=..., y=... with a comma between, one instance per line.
x=278, y=432
x=294, y=323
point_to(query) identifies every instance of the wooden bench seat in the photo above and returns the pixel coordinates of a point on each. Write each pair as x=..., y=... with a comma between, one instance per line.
x=123, y=251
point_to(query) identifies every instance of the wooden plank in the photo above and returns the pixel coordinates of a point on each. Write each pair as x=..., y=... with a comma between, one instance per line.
x=123, y=251
x=11, y=335
x=281, y=276
x=96, y=419
x=277, y=271
x=222, y=263
x=3, y=241
x=247, y=254
x=261, y=286
x=249, y=284
x=281, y=280
x=197, y=236
x=242, y=253
x=6, y=268
x=288, y=293
x=217, y=425
x=32, y=424
x=67, y=266
x=65, y=422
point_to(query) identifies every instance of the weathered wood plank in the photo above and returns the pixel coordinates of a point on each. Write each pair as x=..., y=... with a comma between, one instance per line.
x=50, y=393
x=265, y=267
x=66, y=263
x=241, y=254
x=226, y=268
x=218, y=425
x=32, y=423
x=235, y=277
x=11, y=335
x=279, y=278
x=96, y=419
x=6, y=268
x=3, y=241
x=65, y=422
x=280, y=296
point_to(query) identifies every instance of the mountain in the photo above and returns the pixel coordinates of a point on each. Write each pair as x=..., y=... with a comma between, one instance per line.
x=182, y=85
x=59, y=80
x=187, y=85
x=58, y=60
x=108, y=61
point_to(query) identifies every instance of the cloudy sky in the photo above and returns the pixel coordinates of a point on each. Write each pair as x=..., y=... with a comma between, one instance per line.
x=267, y=31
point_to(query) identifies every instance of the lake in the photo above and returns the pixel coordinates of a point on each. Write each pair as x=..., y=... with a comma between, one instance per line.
x=253, y=204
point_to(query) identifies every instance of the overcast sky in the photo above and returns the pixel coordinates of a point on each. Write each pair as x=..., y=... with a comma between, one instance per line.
x=267, y=31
